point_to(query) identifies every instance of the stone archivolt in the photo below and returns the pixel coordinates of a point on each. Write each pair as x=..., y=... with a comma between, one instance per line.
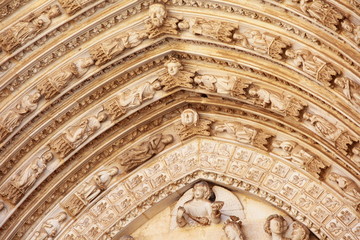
x=177, y=61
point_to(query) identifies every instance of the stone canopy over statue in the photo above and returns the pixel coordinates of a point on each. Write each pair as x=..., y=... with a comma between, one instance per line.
x=196, y=206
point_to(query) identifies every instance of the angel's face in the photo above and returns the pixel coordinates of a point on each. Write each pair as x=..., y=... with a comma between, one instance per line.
x=199, y=193
x=275, y=226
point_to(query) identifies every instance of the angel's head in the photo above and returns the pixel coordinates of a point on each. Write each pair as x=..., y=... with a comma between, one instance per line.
x=300, y=232
x=232, y=228
x=189, y=117
x=275, y=224
x=173, y=66
x=201, y=190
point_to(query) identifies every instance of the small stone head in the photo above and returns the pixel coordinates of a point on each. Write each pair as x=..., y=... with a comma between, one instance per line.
x=201, y=190
x=290, y=53
x=300, y=232
x=232, y=228
x=157, y=14
x=189, y=117
x=253, y=91
x=168, y=138
x=102, y=116
x=35, y=97
x=61, y=217
x=275, y=224
x=54, y=11
x=173, y=66
x=113, y=171
x=341, y=81
x=347, y=25
x=86, y=62
x=287, y=146
x=307, y=116
x=47, y=156
x=156, y=85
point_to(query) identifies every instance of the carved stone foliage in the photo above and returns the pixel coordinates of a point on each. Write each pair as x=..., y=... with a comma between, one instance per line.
x=27, y=29
x=300, y=156
x=131, y=98
x=313, y=65
x=107, y=50
x=245, y=134
x=282, y=103
x=346, y=186
x=89, y=191
x=159, y=22
x=25, y=178
x=175, y=76
x=50, y=228
x=13, y=117
x=77, y=134
x=191, y=125
x=338, y=137
x=73, y=6
x=51, y=85
x=139, y=154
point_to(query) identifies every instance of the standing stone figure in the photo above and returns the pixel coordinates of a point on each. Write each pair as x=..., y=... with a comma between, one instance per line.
x=50, y=228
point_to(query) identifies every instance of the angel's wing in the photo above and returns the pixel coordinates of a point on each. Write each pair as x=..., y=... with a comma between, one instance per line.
x=232, y=205
x=187, y=196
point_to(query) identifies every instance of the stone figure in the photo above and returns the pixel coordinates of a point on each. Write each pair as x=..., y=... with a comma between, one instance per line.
x=175, y=76
x=107, y=50
x=99, y=182
x=159, y=23
x=27, y=29
x=313, y=65
x=232, y=229
x=323, y=12
x=299, y=232
x=300, y=156
x=192, y=125
x=350, y=89
x=50, y=228
x=72, y=6
x=276, y=227
x=24, y=179
x=282, y=103
x=222, y=85
x=346, y=185
x=222, y=31
x=322, y=126
x=58, y=80
x=135, y=97
x=77, y=134
x=13, y=118
x=350, y=30
x=145, y=150
x=245, y=134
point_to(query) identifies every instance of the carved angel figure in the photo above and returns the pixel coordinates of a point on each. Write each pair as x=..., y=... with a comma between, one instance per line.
x=98, y=183
x=175, y=76
x=58, y=80
x=50, y=228
x=276, y=227
x=195, y=207
x=300, y=232
x=27, y=29
x=11, y=119
x=265, y=97
x=222, y=85
x=222, y=31
x=232, y=229
x=347, y=185
x=350, y=89
x=159, y=23
x=322, y=126
x=145, y=150
x=192, y=125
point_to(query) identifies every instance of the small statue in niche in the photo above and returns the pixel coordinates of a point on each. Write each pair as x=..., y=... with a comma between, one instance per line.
x=346, y=185
x=350, y=89
x=159, y=23
x=175, y=76
x=299, y=232
x=232, y=229
x=322, y=126
x=50, y=228
x=191, y=125
x=27, y=29
x=195, y=206
x=145, y=150
x=276, y=227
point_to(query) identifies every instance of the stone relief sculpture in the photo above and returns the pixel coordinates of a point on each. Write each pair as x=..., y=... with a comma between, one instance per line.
x=222, y=31
x=342, y=140
x=276, y=227
x=77, y=134
x=346, y=185
x=299, y=232
x=72, y=6
x=145, y=150
x=27, y=29
x=13, y=118
x=323, y=12
x=300, y=156
x=282, y=103
x=131, y=98
x=50, y=228
x=192, y=125
x=350, y=30
x=232, y=229
x=195, y=207
x=245, y=134
x=350, y=89
x=107, y=50
x=159, y=23
x=313, y=65
x=89, y=191
x=175, y=76
x=51, y=85
x=24, y=179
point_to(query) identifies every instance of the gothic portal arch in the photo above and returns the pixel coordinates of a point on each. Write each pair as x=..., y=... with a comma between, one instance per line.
x=110, y=109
